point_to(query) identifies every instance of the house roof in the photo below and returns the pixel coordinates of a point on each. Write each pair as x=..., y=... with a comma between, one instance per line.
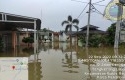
x=68, y=32
x=12, y=21
x=90, y=27
x=91, y=32
x=47, y=30
x=55, y=33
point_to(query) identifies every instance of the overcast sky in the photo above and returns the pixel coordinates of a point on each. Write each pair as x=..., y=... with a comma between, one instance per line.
x=53, y=12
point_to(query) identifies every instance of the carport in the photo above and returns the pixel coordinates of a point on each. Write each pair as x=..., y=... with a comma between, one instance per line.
x=11, y=22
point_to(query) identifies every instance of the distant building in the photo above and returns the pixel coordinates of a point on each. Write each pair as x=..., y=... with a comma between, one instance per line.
x=55, y=36
x=92, y=30
x=65, y=36
x=46, y=35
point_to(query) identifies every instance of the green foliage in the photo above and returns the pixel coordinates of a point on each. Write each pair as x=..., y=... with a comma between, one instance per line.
x=111, y=34
x=122, y=45
x=25, y=40
x=82, y=39
x=28, y=40
x=94, y=40
x=70, y=23
x=44, y=29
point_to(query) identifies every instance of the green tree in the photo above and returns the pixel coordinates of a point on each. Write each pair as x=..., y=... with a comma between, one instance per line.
x=44, y=30
x=111, y=34
x=95, y=40
x=31, y=40
x=69, y=24
x=28, y=40
x=25, y=40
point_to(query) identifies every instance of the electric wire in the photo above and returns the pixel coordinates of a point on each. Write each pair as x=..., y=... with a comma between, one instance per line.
x=93, y=8
x=101, y=13
x=83, y=10
x=79, y=1
x=99, y=1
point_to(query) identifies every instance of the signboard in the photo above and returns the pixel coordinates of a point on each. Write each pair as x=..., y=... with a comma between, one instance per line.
x=111, y=11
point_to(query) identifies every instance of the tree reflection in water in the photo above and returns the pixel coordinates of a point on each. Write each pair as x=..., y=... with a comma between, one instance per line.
x=70, y=62
x=89, y=67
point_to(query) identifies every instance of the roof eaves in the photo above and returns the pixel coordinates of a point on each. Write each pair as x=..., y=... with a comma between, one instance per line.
x=18, y=16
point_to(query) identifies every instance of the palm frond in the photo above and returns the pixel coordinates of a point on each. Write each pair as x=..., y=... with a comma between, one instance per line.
x=75, y=21
x=67, y=27
x=64, y=22
x=70, y=18
x=76, y=27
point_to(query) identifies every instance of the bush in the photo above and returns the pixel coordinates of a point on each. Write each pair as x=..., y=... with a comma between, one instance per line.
x=25, y=39
x=111, y=34
x=94, y=40
x=28, y=40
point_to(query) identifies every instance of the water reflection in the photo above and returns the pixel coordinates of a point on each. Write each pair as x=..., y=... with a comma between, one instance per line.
x=101, y=60
x=57, y=61
x=35, y=72
x=70, y=62
x=17, y=52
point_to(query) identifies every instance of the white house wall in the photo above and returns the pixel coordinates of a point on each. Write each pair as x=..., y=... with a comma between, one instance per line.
x=63, y=37
x=122, y=36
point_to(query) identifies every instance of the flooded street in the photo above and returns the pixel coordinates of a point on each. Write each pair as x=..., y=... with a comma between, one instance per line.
x=61, y=66
x=56, y=61
x=62, y=40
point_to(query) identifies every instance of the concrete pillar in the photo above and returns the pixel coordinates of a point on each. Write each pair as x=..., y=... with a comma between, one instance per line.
x=14, y=39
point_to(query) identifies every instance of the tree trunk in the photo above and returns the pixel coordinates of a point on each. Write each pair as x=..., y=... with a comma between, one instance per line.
x=77, y=38
x=71, y=37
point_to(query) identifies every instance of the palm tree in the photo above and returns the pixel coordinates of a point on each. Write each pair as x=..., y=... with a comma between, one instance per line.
x=69, y=24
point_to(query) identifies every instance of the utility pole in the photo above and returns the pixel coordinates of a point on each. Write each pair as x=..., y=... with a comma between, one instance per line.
x=89, y=14
x=118, y=24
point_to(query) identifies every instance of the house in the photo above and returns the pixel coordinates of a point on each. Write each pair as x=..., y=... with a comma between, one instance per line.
x=11, y=25
x=92, y=30
x=65, y=36
x=55, y=36
x=46, y=35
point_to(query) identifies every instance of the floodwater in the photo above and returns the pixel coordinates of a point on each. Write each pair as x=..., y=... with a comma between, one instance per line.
x=57, y=61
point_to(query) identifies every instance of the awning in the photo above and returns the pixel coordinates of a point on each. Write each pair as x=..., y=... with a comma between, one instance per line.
x=12, y=22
